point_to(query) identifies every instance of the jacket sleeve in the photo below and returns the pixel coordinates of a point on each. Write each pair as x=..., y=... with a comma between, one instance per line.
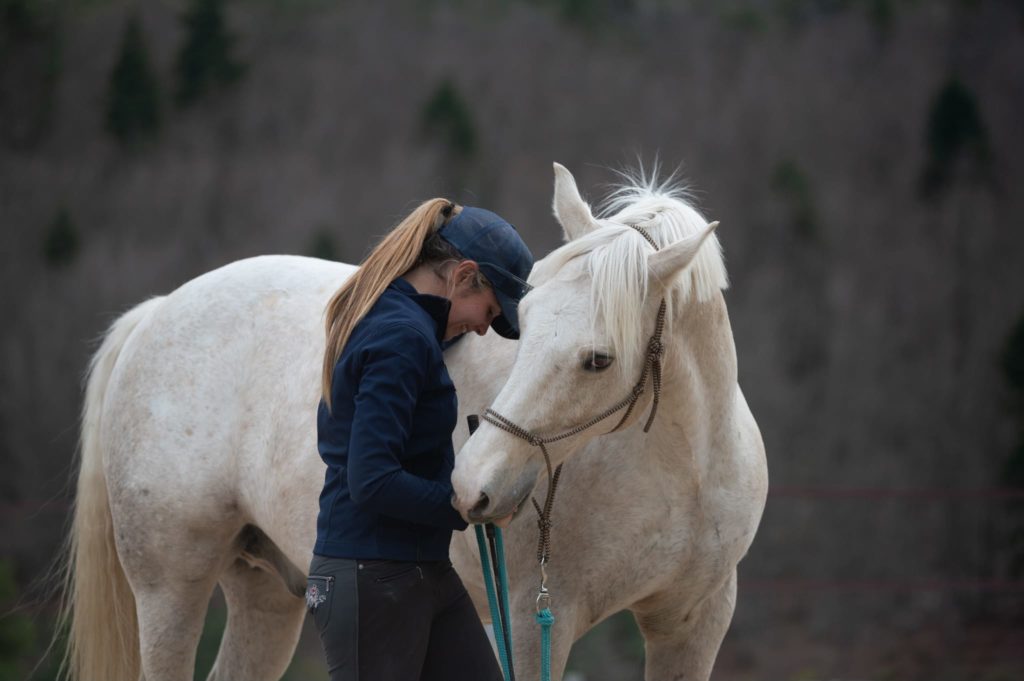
x=392, y=375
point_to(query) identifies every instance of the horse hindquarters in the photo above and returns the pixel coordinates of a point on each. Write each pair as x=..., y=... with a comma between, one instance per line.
x=98, y=604
x=137, y=580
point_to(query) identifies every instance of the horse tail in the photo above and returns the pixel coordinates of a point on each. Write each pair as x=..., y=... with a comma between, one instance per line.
x=97, y=606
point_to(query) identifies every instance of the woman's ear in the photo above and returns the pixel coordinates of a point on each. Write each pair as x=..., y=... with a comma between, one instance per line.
x=466, y=271
x=461, y=276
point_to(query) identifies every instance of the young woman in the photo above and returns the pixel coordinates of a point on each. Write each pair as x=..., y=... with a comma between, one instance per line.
x=385, y=598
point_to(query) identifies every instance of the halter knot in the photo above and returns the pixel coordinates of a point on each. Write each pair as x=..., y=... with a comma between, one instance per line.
x=534, y=440
x=655, y=349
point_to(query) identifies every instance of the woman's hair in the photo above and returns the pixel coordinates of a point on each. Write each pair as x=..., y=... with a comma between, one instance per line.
x=413, y=242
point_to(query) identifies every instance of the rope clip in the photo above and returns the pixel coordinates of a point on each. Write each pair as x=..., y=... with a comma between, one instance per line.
x=543, y=599
x=543, y=596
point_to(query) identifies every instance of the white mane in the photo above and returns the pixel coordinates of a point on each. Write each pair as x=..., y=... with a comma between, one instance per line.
x=615, y=257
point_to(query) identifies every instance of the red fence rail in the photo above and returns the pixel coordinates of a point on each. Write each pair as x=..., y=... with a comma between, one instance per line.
x=62, y=504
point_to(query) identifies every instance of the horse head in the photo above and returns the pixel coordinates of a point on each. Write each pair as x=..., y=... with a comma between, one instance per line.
x=586, y=335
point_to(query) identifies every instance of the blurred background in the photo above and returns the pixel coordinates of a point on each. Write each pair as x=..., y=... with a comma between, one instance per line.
x=865, y=157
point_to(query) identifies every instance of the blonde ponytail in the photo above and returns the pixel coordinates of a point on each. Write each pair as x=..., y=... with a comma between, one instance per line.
x=399, y=251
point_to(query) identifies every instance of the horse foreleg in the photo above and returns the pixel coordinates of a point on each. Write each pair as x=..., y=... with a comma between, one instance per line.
x=264, y=622
x=683, y=643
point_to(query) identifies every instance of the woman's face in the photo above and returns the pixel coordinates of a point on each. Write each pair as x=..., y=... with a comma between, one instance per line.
x=472, y=309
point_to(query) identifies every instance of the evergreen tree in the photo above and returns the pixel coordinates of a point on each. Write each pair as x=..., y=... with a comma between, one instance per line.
x=792, y=185
x=955, y=129
x=447, y=116
x=17, y=633
x=205, y=59
x=323, y=245
x=61, y=242
x=1013, y=371
x=133, y=101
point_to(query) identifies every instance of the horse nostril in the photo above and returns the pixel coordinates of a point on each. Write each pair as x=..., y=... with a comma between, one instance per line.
x=481, y=505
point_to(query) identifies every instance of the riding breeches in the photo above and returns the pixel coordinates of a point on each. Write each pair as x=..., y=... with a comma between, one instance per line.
x=397, y=621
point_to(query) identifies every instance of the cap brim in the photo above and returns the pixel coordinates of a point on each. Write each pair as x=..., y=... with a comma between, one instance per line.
x=509, y=290
x=507, y=323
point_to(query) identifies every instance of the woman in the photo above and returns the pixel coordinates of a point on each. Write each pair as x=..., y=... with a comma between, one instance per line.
x=385, y=598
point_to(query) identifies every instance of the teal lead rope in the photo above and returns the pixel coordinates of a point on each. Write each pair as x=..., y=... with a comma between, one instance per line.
x=545, y=619
x=492, y=598
x=499, y=543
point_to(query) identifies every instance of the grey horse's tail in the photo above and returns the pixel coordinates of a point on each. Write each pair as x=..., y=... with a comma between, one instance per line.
x=98, y=607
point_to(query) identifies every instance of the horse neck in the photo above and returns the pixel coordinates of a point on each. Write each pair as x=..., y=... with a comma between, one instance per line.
x=703, y=333
x=698, y=393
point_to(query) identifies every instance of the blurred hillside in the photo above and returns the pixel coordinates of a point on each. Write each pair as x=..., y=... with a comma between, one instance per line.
x=864, y=157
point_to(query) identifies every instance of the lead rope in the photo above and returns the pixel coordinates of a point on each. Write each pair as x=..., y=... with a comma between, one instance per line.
x=495, y=583
x=544, y=617
x=502, y=632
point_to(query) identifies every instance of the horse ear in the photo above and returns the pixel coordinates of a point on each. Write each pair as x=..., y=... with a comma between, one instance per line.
x=665, y=264
x=571, y=210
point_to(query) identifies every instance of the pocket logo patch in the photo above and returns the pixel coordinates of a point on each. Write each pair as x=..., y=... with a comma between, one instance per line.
x=314, y=597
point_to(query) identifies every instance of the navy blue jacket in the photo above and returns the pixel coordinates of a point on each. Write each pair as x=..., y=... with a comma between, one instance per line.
x=387, y=440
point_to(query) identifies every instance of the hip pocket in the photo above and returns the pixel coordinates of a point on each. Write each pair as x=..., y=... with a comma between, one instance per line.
x=382, y=571
x=318, y=598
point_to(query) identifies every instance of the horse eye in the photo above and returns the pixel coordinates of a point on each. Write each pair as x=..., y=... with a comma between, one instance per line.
x=597, y=362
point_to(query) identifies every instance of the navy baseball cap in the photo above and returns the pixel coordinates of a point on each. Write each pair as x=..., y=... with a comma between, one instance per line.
x=502, y=256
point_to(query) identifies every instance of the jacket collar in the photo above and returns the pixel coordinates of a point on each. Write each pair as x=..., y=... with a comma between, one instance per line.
x=437, y=307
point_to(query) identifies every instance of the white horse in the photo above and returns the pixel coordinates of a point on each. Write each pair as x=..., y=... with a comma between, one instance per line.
x=199, y=463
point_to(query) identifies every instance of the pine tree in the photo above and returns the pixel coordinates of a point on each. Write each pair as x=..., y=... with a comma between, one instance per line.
x=955, y=130
x=61, y=242
x=133, y=100
x=205, y=60
x=446, y=116
x=17, y=632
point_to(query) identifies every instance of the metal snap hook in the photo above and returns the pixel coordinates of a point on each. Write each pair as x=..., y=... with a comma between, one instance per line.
x=543, y=599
